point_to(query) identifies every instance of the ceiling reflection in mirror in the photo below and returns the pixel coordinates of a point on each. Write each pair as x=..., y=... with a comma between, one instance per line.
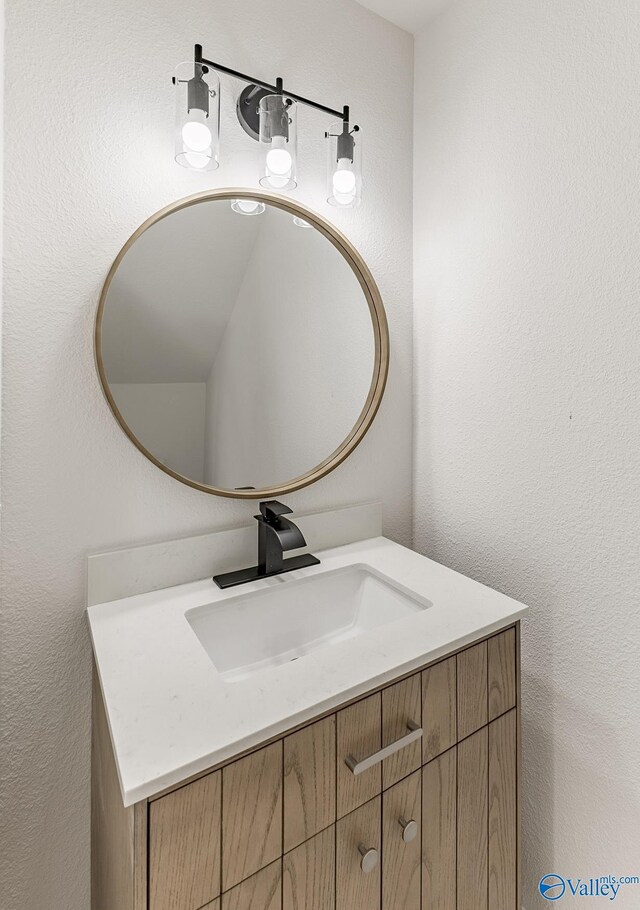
x=238, y=351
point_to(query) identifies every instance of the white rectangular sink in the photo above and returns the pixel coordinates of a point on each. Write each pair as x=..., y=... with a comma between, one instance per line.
x=293, y=617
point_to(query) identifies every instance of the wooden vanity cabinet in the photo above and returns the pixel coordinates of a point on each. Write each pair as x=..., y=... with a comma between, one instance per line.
x=319, y=819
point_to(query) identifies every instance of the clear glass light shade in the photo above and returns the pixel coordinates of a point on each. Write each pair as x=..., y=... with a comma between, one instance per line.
x=344, y=168
x=278, y=142
x=197, y=131
x=300, y=222
x=248, y=206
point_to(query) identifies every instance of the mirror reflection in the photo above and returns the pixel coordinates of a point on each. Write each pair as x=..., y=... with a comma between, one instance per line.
x=238, y=348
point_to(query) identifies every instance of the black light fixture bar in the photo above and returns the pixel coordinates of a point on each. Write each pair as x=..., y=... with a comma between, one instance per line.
x=277, y=89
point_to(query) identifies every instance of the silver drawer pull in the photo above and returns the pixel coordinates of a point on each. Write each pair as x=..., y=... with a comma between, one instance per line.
x=414, y=734
x=369, y=858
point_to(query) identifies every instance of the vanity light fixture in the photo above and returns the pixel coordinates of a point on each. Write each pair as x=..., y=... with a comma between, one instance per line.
x=267, y=113
x=278, y=141
x=197, y=117
x=300, y=222
x=344, y=174
x=248, y=206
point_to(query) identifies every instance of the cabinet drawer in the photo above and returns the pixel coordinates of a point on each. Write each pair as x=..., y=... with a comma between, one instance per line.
x=358, y=843
x=439, y=709
x=309, y=782
x=401, y=839
x=184, y=846
x=251, y=814
x=262, y=891
x=309, y=874
x=502, y=673
x=401, y=713
x=359, y=734
x=472, y=689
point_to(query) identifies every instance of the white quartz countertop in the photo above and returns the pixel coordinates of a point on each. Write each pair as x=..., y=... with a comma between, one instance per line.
x=170, y=713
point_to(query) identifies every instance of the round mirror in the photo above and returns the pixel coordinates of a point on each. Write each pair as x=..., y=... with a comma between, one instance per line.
x=241, y=343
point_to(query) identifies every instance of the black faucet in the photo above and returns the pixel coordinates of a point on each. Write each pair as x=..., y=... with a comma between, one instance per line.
x=275, y=535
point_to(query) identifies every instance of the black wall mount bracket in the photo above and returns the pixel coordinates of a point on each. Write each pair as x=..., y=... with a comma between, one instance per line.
x=256, y=89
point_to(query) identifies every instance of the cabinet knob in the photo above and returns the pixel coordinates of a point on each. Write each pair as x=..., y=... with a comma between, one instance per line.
x=369, y=858
x=409, y=829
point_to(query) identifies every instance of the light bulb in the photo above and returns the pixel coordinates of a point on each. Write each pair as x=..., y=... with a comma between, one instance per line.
x=279, y=162
x=196, y=136
x=197, y=159
x=279, y=159
x=344, y=180
x=248, y=207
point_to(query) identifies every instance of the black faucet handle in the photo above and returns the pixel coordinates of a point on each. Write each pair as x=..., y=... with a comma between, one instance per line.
x=272, y=509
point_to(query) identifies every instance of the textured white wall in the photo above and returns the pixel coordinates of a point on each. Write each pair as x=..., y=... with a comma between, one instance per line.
x=410, y=14
x=527, y=337
x=89, y=83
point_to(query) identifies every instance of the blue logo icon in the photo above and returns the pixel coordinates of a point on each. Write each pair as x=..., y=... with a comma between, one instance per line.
x=552, y=887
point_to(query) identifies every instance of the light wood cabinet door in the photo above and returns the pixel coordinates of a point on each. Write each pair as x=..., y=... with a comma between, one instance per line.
x=357, y=888
x=251, y=814
x=503, y=864
x=309, y=874
x=472, y=689
x=359, y=734
x=473, y=782
x=439, y=722
x=439, y=832
x=309, y=782
x=401, y=712
x=262, y=891
x=502, y=673
x=401, y=844
x=184, y=846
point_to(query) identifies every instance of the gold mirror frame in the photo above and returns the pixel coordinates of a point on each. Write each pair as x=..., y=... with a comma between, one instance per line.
x=378, y=319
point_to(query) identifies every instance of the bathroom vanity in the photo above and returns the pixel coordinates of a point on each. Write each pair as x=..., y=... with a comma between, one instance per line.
x=376, y=769
x=344, y=736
